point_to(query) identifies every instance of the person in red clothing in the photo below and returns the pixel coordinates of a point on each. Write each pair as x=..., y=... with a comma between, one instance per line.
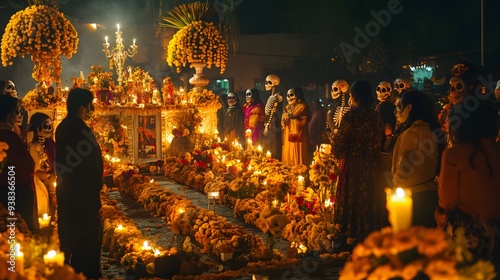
x=18, y=167
x=253, y=111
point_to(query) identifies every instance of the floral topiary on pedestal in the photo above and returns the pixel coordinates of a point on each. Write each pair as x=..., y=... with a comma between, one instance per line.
x=199, y=41
x=44, y=33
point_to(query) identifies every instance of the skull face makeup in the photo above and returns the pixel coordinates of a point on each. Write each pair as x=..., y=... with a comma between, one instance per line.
x=10, y=88
x=383, y=91
x=457, y=90
x=400, y=85
x=248, y=96
x=339, y=87
x=401, y=112
x=231, y=99
x=272, y=80
x=291, y=97
x=47, y=129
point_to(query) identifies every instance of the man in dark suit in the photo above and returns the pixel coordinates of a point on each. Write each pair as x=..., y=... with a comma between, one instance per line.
x=79, y=168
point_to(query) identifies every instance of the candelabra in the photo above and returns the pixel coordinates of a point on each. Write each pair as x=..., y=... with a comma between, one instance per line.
x=119, y=54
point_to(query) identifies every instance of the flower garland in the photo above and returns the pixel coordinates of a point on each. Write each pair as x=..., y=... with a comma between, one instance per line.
x=45, y=34
x=199, y=41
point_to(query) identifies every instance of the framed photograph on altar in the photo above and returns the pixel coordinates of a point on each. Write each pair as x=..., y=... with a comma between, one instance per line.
x=147, y=130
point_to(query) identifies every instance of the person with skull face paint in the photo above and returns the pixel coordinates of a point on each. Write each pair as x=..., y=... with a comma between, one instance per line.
x=385, y=107
x=416, y=154
x=20, y=127
x=339, y=106
x=295, y=133
x=19, y=161
x=42, y=150
x=254, y=115
x=234, y=120
x=360, y=199
x=462, y=86
x=274, y=109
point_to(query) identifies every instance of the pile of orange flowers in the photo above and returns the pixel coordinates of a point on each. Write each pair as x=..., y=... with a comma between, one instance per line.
x=45, y=34
x=416, y=253
x=199, y=41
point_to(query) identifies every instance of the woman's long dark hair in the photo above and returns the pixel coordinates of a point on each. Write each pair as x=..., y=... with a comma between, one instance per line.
x=422, y=108
x=36, y=122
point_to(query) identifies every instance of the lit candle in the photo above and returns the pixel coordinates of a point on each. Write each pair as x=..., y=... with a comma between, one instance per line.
x=44, y=221
x=275, y=203
x=19, y=259
x=259, y=149
x=400, y=207
x=146, y=246
x=152, y=180
x=55, y=184
x=300, y=180
x=249, y=143
x=181, y=210
x=106, y=38
x=328, y=203
x=119, y=228
x=54, y=258
x=118, y=27
x=268, y=154
x=157, y=253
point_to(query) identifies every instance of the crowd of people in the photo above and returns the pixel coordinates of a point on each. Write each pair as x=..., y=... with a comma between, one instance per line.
x=448, y=160
x=35, y=164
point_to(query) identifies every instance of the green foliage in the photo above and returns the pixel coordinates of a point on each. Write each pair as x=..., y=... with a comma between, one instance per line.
x=185, y=14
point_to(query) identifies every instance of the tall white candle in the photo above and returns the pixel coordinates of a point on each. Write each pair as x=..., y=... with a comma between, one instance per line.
x=400, y=207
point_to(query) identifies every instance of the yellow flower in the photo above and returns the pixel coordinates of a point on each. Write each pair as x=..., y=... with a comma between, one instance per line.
x=29, y=33
x=199, y=41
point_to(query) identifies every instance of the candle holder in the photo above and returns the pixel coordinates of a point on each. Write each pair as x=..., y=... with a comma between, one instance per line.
x=119, y=54
x=212, y=197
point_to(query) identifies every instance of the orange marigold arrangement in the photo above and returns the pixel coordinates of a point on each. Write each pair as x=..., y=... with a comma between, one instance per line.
x=44, y=33
x=416, y=253
x=199, y=41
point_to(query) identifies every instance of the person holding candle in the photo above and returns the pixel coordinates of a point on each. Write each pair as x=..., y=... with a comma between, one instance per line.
x=79, y=168
x=469, y=183
x=416, y=154
x=360, y=198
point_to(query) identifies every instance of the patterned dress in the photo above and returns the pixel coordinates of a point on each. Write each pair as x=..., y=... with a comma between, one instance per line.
x=360, y=197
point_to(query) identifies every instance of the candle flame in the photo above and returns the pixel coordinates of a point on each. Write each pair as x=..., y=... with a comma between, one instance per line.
x=157, y=252
x=120, y=227
x=51, y=254
x=400, y=192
